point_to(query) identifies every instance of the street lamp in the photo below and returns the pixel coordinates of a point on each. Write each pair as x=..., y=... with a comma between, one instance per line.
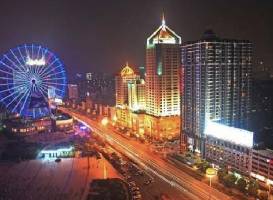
x=269, y=188
x=104, y=121
x=210, y=172
x=269, y=161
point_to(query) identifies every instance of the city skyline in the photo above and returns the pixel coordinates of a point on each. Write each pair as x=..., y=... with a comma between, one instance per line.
x=132, y=100
x=80, y=32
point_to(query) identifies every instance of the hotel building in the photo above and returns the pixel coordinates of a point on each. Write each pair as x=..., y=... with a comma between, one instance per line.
x=217, y=85
x=122, y=80
x=136, y=95
x=151, y=109
x=162, y=72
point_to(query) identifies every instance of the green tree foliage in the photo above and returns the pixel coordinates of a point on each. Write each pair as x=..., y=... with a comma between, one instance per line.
x=203, y=166
x=241, y=184
x=221, y=174
x=253, y=187
x=229, y=180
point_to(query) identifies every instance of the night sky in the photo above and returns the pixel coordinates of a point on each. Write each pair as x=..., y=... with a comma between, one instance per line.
x=102, y=35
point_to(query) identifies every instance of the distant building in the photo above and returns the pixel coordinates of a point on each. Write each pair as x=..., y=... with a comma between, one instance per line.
x=262, y=112
x=122, y=79
x=136, y=95
x=73, y=92
x=217, y=85
x=142, y=72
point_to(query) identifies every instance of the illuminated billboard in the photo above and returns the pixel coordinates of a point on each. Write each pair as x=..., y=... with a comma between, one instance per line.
x=234, y=135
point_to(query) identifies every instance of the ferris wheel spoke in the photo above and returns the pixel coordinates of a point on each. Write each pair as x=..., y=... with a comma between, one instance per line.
x=32, y=51
x=37, y=57
x=6, y=72
x=20, y=69
x=43, y=91
x=15, y=98
x=48, y=67
x=12, y=88
x=9, y=67
x=26, y=50
x=18, y=60
x=26, y=97
x=22, y=57
x=19, y=84
x=6, y=78
x=14, y=92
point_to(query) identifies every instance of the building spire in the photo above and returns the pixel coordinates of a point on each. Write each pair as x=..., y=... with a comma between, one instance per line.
x=163, y=19
x=127, y=63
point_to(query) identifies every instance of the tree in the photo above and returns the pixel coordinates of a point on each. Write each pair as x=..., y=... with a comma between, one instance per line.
x=241, y=184
x=253, y=187
x=229, y=180
x=221, y=173
x=203, y=166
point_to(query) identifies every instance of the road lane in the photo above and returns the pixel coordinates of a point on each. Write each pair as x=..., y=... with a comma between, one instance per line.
x=166, y=171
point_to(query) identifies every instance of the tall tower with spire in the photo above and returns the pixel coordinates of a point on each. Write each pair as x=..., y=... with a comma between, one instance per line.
x=162, y=72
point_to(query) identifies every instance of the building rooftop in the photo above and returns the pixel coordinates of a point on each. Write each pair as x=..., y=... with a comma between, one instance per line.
x=210, y=36
x=227, y=133
x=127, y=71
x=164, y=35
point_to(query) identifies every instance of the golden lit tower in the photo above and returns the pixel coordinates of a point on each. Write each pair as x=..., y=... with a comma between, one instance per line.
x=162, y=72
x=122, y=79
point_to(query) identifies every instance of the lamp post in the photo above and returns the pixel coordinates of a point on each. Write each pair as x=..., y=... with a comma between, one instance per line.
x=210, y=173
x=104, y=121
x=269, y=188
x=268, y=180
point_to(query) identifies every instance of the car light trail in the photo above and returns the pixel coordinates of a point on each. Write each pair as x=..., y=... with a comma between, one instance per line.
x=168, y=173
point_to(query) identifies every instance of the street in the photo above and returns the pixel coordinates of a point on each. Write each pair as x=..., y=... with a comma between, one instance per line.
x=141, y=154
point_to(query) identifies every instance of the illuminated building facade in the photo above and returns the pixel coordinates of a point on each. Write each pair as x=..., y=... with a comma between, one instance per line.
x=73, y=91
x=136, y=95
x=126, y=76
x=152, y=109
x=162, y=72
x=217, y=85
x=23, y=127
x=262, y=165
x=128, y=89
x=229, y=146
x=233, y=148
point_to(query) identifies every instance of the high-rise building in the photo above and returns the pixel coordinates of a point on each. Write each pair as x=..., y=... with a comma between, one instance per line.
x=162, y=72
x=136, y=95
x=73, y=91
x=217, y=85
x=122, y=79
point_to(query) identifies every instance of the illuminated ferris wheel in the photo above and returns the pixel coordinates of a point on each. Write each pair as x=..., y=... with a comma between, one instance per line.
x=31, y=75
